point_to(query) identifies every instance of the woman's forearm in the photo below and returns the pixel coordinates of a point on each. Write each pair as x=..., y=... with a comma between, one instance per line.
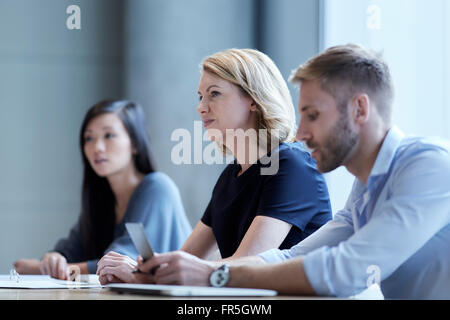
x=28, y=266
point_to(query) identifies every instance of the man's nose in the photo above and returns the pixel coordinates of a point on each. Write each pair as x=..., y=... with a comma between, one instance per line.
x=302, y=133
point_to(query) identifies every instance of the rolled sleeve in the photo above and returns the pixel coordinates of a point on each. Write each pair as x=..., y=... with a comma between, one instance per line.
x=416, y=211
x=274, y=255
x=315, y=250
x=315, y=263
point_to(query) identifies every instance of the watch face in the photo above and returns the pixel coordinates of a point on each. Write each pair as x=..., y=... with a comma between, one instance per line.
x=219, y=278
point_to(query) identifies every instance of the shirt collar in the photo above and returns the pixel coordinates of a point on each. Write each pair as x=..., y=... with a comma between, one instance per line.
x=387, y=152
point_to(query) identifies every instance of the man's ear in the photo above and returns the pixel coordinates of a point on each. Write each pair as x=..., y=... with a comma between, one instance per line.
x=361, y=108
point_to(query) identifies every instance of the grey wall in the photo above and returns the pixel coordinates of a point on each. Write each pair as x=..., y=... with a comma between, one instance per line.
x=290, y=34
x=145, y=50
x=49, y=77
x=163, y=51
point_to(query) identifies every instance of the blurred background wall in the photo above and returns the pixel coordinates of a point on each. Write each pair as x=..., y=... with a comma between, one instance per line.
x=149, y=51
x=49, y=77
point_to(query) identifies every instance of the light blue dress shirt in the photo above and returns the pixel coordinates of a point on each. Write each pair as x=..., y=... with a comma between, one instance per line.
x=394, y=229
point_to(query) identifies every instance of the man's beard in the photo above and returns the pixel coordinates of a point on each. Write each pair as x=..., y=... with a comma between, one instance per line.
x=334, y=151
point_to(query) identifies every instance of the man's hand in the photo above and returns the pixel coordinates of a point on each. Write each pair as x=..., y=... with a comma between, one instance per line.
x=178, y=267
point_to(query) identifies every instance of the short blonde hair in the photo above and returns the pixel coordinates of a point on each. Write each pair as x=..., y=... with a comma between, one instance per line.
x=343, y=70
x=258, y=76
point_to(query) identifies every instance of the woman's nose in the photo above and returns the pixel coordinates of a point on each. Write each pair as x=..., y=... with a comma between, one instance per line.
x=99, y=145
x=202, y=107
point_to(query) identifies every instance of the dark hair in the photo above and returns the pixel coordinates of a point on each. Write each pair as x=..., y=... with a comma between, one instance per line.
x=97, y=198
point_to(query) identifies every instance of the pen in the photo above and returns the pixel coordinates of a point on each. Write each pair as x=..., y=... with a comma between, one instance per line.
x=152, y=271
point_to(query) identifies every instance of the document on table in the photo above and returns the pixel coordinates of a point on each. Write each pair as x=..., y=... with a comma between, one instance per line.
x=42, y=282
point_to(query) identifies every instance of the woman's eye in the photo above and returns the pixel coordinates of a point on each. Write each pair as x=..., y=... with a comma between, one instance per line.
x=313, y=116
x=87, y=139
x=200, y=98
x=109, y=135
x=215, y=93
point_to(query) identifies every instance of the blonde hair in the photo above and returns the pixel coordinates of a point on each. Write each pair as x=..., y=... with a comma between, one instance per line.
x=258, y=76
x=343, y=70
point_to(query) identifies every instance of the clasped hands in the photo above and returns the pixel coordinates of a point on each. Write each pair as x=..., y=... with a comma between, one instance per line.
x=175, y=267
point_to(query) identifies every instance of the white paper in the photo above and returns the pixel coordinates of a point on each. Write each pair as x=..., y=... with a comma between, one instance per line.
x=42, y=282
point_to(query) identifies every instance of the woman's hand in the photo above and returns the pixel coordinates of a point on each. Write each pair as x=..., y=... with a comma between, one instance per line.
x=55, y=265
x=115, y=267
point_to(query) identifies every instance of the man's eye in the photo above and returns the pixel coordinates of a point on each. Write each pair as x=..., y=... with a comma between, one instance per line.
x=313, y=116
x=200, y=98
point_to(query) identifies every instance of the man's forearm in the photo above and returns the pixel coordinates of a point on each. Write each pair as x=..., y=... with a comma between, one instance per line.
x=250, y=260
x=287, y=277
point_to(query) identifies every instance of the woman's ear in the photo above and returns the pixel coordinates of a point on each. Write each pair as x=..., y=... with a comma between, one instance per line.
x=253, y=106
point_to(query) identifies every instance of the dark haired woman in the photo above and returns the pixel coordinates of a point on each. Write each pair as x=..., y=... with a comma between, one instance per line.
x=120, y=185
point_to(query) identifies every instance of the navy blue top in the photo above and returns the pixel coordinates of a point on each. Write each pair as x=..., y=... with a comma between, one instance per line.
x=156, y=203
x=296, y=193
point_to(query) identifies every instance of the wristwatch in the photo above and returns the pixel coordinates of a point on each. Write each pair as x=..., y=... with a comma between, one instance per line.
x=220, y=276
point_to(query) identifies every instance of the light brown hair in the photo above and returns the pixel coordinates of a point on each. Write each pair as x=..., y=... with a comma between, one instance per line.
x=258, y=77
x=346, y=70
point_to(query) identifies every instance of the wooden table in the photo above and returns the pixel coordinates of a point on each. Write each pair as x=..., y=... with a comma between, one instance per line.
x=105, y=294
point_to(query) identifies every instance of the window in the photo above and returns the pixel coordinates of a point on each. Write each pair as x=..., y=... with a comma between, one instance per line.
x=414, y=36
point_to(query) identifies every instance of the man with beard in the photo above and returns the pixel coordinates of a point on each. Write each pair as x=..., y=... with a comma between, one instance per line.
x=394, y=229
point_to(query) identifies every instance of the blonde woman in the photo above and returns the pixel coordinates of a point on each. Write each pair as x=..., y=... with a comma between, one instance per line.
x=247, y=110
